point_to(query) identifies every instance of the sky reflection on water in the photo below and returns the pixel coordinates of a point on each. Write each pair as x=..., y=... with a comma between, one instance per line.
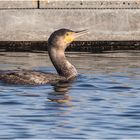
x=103, y=102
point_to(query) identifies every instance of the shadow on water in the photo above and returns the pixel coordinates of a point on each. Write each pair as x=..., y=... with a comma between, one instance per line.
x=61, y=91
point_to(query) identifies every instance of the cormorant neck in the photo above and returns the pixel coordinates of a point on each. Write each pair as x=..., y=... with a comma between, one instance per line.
x=61, y=64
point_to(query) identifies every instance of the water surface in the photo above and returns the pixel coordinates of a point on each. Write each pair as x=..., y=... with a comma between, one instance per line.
x=102, y=103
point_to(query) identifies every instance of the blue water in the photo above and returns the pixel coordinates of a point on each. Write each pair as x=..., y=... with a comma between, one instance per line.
x=102, y=103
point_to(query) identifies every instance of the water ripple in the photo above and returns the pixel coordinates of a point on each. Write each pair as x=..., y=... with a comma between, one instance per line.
x=103, y=103
x=10, y=103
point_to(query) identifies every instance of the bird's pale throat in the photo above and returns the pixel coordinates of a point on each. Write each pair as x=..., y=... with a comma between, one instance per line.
x=61, y=64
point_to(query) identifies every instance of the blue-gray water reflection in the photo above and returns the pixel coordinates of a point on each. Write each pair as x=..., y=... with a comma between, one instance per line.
x=103, y=102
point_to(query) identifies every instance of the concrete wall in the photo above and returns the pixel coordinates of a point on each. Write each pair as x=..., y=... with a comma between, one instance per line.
x=17, y=4
x=34, y=21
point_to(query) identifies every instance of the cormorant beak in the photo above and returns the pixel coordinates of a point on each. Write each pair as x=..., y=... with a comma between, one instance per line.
x=73, y=35
x=80, y=33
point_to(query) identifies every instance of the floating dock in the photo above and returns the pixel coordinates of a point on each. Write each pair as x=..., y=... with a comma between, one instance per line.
x=34, y=20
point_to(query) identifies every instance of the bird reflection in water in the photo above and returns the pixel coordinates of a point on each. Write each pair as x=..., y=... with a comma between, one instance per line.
x=61, y=90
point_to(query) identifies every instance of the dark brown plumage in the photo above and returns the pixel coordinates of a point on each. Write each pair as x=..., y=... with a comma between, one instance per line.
x=26, y=77
x=57, y=43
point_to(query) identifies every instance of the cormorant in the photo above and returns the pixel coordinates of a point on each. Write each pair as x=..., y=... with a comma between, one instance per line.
x=57, y=43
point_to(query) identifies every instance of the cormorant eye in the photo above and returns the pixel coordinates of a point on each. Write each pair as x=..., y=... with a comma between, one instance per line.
x=67, y=34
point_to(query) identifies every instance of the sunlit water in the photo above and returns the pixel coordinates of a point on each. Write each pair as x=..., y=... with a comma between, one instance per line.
x=103, y=102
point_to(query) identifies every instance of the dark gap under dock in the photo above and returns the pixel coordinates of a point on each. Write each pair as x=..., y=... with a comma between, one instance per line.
x=79, y=46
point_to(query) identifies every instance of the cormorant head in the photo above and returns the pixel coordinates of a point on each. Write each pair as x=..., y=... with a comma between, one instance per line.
x=61, y=38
